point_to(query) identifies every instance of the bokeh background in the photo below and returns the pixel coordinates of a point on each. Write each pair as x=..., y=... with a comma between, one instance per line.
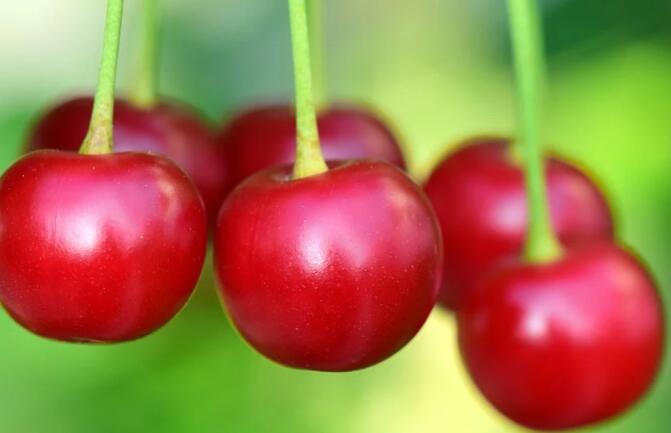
x=440, y=71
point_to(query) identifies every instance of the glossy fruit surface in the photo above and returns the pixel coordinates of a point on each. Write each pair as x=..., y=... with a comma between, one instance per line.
x=479, y=196
x=101, y=248
x=564, y=344
x=333, y=272
x=166, y=129
x=265, y=137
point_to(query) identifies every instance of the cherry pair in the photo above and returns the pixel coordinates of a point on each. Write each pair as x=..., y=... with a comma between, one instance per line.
x=324, y=269
x=170, y=131
x=558, y=326
x=552, y=345
x=95, y=246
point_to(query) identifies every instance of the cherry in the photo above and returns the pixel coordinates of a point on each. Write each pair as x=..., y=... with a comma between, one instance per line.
x=265, y=137
x=166, y=129
x=336, y=271
x=478, y=193
x=562, y=337
x=98, y=248
x=567, y=343
x=326, y=269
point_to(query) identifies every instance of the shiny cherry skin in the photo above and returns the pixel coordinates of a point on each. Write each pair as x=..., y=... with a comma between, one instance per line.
x=104, y=248
x=565, y=344
x=265, y=137
x=166, y=129
x=333, y=272
x=479, y=196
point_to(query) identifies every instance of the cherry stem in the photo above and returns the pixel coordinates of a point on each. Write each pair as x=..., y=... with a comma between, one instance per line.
x=146, y=83
x=525, y=23
x=309, y=158
x=99, y=138
x=316, y=29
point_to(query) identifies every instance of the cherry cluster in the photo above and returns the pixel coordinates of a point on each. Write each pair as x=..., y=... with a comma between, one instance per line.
x=336, y=262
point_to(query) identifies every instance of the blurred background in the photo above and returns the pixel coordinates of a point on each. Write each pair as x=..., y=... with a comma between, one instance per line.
x=439, y=70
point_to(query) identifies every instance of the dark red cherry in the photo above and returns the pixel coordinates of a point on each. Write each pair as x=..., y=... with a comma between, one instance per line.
x=479, y=196
x=565, y=344
x=102, y=248
x=266, y=137
x=335, y=271
x=166, y=129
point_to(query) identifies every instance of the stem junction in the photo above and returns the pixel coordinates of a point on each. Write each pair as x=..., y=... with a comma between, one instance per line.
x=99, y=139
x=309, y=157
x=541, y=243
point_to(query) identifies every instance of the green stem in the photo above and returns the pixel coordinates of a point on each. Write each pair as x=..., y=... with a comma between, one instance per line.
x=98, y=140
x=541, y=244
x=146, y=83
x=309, y=158
x=316, y=29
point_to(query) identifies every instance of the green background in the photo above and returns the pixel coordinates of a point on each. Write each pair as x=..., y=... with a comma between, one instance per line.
x=440, y=71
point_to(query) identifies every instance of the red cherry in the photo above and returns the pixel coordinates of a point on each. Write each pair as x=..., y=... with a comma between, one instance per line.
x=560, y=345
x=166, y=129
x=333, y=272
x=100, y=248
x=479, y=196
x=266, y=137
